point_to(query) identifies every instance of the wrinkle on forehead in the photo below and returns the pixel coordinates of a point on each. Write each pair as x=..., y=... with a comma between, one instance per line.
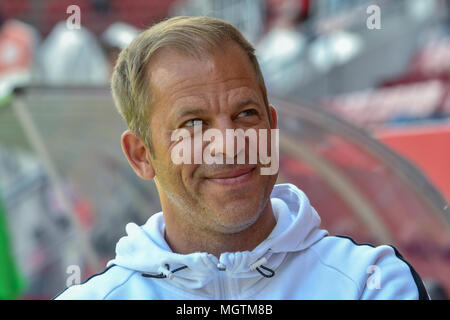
x=230, y=87
x=215, y=82
x=172, y=72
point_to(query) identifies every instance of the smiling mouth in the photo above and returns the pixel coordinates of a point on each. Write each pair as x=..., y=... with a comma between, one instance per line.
x=234, y=176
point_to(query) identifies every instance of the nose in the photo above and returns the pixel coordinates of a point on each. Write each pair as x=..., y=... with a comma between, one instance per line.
x=221, y=145
x=229, y=143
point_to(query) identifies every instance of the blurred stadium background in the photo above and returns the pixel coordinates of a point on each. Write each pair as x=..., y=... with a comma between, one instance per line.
x=364, y=119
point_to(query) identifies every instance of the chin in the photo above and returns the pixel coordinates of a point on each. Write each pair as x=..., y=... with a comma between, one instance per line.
x=237, y=217
x=234, y=227
x=238, y=210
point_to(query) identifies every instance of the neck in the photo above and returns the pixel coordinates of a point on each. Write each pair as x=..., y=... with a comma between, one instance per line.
x=184, y=240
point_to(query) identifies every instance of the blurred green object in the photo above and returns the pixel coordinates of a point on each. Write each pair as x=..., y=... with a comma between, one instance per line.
x=5, y=99
x=12, y=284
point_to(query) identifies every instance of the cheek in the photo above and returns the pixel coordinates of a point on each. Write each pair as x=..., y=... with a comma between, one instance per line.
x=177, y=178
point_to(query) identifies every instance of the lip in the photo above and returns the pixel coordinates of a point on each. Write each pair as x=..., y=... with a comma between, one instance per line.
x=234, y=176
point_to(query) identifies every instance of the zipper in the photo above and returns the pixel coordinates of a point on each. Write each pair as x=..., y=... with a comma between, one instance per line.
x=220, y=269
x=221, y=281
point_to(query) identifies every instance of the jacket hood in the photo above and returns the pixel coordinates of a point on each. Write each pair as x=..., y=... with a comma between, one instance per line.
x=145, y=250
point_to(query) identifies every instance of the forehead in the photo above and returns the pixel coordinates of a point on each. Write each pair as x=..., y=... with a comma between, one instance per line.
x=173, y=74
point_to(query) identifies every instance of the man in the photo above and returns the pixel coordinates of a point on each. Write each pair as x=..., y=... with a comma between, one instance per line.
x=225, y=230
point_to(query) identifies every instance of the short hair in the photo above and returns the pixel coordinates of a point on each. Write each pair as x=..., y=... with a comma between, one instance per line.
x=193, y=36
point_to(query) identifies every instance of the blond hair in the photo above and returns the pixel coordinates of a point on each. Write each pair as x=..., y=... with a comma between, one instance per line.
x=193, y=36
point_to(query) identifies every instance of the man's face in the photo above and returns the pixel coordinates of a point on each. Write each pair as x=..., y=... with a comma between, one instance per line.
x=218, y=91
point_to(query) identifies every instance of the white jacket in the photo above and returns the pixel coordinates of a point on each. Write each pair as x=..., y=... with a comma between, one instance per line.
x=297, y=261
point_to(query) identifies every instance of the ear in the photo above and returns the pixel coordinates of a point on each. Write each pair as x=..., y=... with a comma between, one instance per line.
x=273, y=115
x=137, y=154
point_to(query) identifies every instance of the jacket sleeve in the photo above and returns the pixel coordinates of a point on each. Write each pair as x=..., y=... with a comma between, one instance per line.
x=391, y=277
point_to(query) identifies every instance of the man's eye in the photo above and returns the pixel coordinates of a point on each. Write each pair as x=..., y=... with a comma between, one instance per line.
x=247, y=113
x=193, y=123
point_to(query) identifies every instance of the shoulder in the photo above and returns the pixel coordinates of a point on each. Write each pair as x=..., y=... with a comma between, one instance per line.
x=379, y=272
x=99, y=286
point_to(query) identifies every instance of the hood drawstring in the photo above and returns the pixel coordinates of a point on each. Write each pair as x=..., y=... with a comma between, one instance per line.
x=167, y=273
x=259, y=263
x=164, y=272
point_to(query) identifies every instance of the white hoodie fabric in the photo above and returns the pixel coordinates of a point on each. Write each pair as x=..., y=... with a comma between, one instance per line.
x=297, y=261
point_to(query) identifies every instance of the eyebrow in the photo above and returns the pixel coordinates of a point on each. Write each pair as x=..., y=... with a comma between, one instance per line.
x=188, y=111
x=245, y=102
x=200, y=111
